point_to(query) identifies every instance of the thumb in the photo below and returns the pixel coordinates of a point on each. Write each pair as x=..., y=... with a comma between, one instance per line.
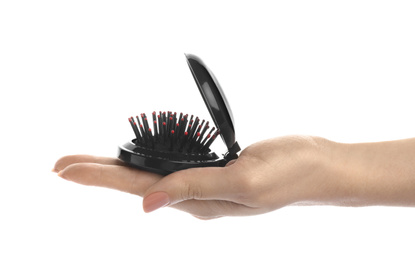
x=209, y=183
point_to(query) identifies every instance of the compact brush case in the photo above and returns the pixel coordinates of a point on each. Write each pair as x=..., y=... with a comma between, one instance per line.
x=179, y=142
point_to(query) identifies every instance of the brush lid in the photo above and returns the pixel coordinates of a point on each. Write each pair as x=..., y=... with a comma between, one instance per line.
x=215, y=101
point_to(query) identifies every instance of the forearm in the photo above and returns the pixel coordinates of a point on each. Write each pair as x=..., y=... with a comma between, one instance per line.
x=371, y=173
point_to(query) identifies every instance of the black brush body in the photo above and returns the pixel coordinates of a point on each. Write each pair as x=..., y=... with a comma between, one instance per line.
x=165, y=163
x=177, y=142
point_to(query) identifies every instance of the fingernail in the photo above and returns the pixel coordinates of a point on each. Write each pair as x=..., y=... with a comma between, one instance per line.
x=60, y=174
x=54, y=170
x=155, y=201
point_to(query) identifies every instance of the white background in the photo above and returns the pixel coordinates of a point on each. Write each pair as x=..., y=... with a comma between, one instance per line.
x=72, y=72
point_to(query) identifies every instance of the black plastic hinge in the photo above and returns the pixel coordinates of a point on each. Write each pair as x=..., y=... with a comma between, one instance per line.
x=232, y=153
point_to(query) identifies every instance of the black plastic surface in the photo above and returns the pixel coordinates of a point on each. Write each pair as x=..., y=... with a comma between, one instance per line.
x=214, y=98
x=132, y=155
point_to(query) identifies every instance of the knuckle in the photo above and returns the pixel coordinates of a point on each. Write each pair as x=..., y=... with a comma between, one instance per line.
x=189, y=189
x=249, y=190
x=246, y=184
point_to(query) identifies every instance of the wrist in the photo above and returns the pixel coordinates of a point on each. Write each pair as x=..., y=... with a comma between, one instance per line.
x=334, y=183
x=365, y=174
x=381, y=173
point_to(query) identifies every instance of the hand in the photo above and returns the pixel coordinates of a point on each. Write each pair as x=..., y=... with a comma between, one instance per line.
x=268, y=175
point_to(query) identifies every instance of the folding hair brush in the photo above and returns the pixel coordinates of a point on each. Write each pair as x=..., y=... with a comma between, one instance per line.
x=178, y=142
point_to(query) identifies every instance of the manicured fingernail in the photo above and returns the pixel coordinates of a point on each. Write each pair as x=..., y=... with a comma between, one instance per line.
x=155, y=201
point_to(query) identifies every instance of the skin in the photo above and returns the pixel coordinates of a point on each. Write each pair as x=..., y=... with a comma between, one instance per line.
x=268, y=175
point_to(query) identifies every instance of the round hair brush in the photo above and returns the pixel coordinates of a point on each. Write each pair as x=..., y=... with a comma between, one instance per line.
x=168, y=142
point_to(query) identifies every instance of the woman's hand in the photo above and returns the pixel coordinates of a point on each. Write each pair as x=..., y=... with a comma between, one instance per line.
x=292, y=170
x=268, y=175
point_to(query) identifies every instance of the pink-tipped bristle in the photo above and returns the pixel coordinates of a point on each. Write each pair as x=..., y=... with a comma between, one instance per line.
x=172, y=132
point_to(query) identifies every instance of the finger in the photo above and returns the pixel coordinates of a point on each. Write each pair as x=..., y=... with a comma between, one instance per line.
x=137, y=182
x=71, y=159
x=210, y=183
x=110, y=176
x=208, y=209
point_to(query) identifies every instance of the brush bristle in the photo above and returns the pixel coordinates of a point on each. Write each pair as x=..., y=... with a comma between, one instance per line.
x=172, y=134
